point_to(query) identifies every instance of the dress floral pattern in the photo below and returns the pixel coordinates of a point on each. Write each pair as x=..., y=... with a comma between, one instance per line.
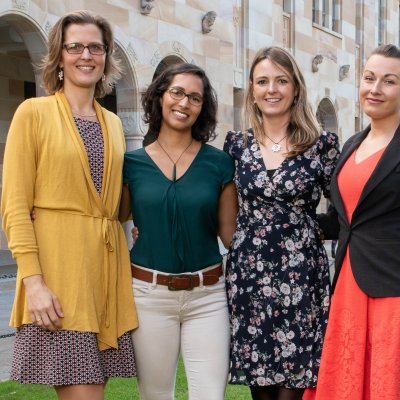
x=277, y=267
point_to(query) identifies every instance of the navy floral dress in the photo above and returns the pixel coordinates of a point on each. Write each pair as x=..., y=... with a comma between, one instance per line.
x=277, y=267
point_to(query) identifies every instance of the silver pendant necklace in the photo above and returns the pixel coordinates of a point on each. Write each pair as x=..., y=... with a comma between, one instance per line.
x=170, y=158
x=276, y=147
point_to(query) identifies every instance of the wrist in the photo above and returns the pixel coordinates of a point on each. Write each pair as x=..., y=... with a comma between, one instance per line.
x=32, y=280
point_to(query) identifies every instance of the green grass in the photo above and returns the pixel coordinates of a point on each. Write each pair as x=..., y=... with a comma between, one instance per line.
x=117, y=389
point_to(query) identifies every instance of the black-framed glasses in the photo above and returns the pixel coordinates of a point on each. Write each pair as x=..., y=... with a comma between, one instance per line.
x=95, y=49
x=178, y=94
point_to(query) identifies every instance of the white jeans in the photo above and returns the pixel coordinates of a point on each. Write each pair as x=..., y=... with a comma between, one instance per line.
x=193, y=322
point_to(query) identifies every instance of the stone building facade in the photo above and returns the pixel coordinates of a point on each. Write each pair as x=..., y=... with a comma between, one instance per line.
x=330, y=39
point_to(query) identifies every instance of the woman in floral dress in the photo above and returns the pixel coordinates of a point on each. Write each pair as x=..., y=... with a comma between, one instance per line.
x=277, y=267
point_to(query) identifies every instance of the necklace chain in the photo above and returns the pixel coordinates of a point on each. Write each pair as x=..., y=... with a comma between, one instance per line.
x=83, y=116
x=276, y=146
x=170, y=158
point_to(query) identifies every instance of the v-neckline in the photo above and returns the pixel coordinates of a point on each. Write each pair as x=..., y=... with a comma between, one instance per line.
x=184, y=174
x=100, y=198
x=374, y=154
x=265, y=165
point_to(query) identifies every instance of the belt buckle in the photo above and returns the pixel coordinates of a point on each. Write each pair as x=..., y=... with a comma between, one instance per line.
x=183, y=276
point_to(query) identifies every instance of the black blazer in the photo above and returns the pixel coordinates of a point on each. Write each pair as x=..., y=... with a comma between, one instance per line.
x=373, y=235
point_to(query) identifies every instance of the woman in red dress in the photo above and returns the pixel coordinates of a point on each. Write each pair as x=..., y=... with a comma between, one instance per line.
x=361, y=357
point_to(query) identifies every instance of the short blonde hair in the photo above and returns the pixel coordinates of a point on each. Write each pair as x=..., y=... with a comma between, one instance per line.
x=50, y=63
x=304, y=127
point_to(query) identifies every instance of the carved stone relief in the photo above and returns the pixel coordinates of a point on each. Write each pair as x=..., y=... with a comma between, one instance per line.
x=146, y=6
x=132, y=53
x=208, y=21
x=20, y=4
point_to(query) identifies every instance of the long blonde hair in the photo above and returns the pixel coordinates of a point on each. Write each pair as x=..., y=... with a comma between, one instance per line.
x=50, y=63
x=303, y=125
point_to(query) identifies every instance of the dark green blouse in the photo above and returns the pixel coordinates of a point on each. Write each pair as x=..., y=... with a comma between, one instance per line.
x=177, y=221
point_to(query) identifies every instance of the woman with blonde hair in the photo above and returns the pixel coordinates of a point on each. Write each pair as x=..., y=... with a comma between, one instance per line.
x=277, y=267
x=73, y=309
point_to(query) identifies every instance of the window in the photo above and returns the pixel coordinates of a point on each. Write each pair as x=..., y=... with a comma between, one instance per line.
x=328, y=14
x=287, y=6
x=360, y=23
x=335, y=16
x=325, y=19
x=381, y=22
x=315, y=11
x=399, y=25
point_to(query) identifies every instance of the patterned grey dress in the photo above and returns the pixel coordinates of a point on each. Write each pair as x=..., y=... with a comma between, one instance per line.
x=277, y=267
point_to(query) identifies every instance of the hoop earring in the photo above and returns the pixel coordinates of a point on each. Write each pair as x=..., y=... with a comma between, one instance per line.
x=61, y=74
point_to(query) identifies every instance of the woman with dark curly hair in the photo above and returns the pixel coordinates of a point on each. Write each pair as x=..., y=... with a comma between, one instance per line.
x=182, y=197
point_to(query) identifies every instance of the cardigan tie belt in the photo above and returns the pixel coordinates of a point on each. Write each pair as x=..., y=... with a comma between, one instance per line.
x=109, y=242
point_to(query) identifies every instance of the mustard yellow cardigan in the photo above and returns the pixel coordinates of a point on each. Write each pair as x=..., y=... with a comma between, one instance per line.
x=76, y=241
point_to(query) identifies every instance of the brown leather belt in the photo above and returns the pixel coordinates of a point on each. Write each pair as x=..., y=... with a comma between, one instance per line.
x=181, y=281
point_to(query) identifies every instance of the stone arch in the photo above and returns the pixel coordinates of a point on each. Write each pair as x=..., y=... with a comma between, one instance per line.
x=23, y=41
x=23, y=44
x=170, y=52
x=128, y=99
x=174, y=53
x=326, y=115
x=165, y=62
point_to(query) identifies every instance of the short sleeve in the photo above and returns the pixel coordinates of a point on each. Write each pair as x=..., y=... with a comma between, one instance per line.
x=227, y=168
x=330, y=151
x=126, y=169
x=229, y=141
x=235, y=143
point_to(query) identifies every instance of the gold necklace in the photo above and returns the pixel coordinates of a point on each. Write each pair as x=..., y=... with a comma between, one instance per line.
x=84, y=116
x=174, y=162
x=276, y=146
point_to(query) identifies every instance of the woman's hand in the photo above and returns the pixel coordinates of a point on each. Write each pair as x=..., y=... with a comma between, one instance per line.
x=44, y=308
x=135, y=234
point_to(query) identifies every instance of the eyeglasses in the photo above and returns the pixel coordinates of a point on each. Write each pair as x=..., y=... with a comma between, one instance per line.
x=178, y=94
x=95, y=49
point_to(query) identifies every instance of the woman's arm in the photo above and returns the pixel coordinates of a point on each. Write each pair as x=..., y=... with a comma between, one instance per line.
x=19, y=184
x=125, y=205
x=227, y=212
x=18, y=191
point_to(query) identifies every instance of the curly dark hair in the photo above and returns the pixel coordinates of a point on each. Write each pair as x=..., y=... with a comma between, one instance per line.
x=203, y=129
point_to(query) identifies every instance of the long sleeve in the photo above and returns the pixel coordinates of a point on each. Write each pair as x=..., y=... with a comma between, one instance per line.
x=19, y=176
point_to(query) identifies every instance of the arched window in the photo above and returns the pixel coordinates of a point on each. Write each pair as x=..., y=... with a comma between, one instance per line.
x=326, y=116
x=164, y=63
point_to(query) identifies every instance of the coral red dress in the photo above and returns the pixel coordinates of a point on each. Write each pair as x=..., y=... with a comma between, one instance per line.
x=361, y=352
